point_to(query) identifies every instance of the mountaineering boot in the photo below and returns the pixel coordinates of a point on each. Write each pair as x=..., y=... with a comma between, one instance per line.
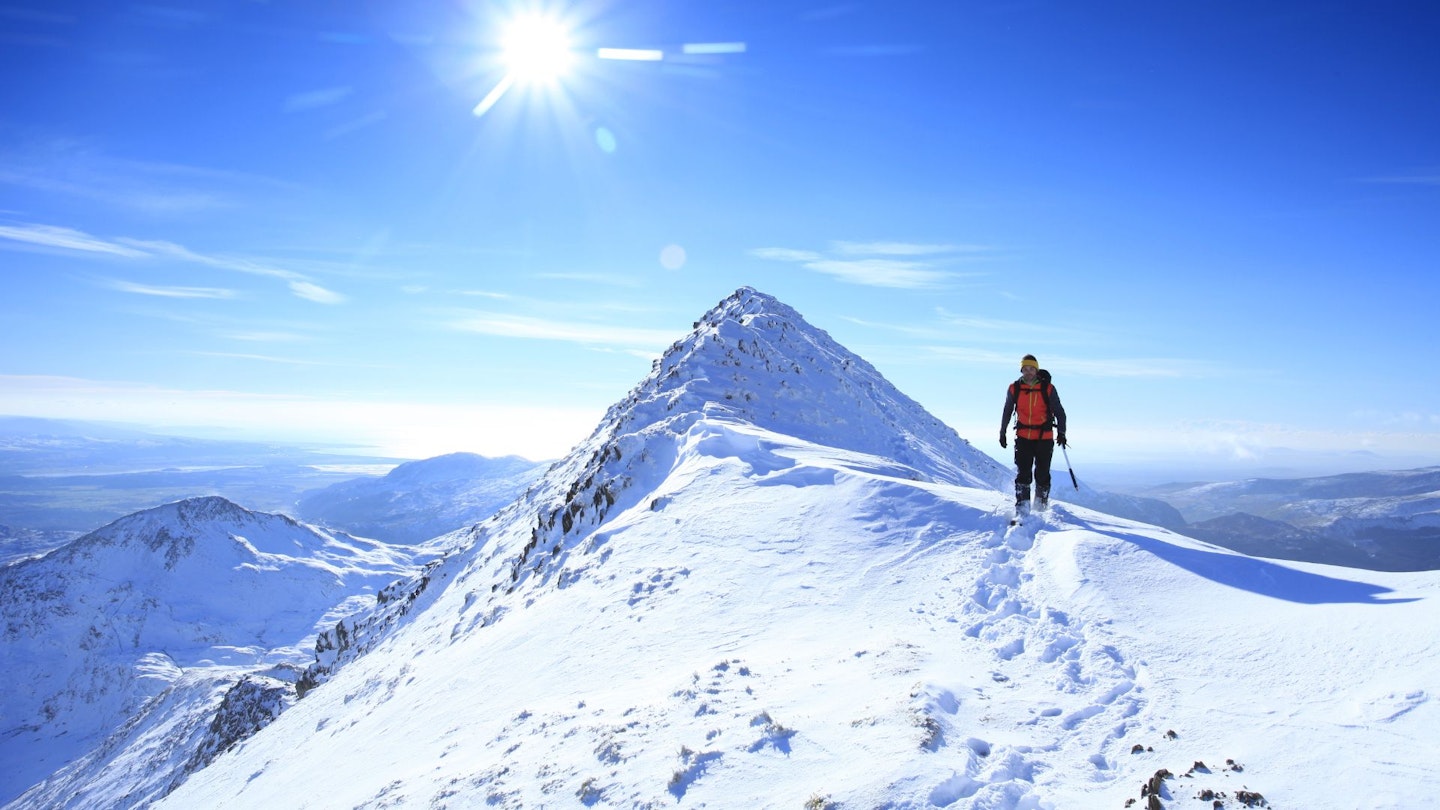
x=1022, y=508
x=1042, y=500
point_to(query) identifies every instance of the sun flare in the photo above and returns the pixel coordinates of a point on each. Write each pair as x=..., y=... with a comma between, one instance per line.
x=536, y=48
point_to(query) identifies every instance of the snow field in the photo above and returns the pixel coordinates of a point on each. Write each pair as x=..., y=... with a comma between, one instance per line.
x=1297, y=672
x=781, y=623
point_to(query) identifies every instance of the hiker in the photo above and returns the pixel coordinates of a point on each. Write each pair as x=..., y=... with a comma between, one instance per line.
x=1036, y=406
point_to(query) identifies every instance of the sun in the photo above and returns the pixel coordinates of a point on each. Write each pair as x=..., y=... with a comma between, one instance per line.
x=536, y=49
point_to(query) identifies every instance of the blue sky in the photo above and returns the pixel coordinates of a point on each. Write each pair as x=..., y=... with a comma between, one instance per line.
x=1217, y=223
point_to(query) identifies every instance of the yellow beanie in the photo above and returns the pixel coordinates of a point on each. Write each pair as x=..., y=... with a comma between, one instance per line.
x=1030, y=361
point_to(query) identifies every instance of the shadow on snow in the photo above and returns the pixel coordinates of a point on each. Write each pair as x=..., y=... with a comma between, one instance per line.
x=1254, y=574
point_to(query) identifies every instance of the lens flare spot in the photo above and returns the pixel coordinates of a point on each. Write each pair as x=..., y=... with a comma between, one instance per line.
x=605, y=139
x=631, y=54
x=672, y=257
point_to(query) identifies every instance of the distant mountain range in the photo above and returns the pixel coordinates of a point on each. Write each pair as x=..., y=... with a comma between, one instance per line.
x=74, y=477
x=59, y=479
x=1385, y=521
x=421, y=500
x=17, y=544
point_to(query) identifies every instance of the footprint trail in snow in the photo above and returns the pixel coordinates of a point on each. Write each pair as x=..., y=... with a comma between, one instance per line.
x=1057, y=683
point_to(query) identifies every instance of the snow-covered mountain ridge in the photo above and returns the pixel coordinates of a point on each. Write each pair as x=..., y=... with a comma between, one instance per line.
x=198, y=590
x=780, y=623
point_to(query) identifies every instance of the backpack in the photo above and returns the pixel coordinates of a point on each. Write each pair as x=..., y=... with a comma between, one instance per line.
x=1046, y=389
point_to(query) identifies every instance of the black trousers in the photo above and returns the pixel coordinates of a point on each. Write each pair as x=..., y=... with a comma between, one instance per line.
x=1036, y=454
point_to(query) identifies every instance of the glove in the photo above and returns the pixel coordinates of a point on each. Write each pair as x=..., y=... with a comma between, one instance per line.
x=1002, y=438
x=1060, y=439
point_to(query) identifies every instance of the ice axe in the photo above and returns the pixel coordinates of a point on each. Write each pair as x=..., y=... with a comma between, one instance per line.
x=1068, y=467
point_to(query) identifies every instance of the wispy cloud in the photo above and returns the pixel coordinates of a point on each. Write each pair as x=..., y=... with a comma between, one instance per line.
x=1116, y=367
x=1175, y=367
x=593, y=278
x=1423, y=177
x=317, y=98
x=522, y=326
x=567, y=309
x=953, y=327
x=62, y=238
x=830, y=12
x=786, y=255
x=265, y=337
x=171, y=250
x=899, y=265
x=904, y=249
x=908, y=330
x=66, y=239
x=262, y=358
x=36, y=16
x=80, y=168
x=300, y=286
x=355, y=125
x=971, y=325
x=314, y=292
x=170, y=292
x=875, y=50
x=881, y=272
x=148, y=195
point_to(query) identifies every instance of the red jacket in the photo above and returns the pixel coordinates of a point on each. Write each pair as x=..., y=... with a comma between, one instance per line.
x=1036, y=408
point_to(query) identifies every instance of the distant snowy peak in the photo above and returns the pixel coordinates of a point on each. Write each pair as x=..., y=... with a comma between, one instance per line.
x=455, y=466
x=421, y=500
x=99, y=626
x=185, y=572
x=173, y=529
x=754, y=359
